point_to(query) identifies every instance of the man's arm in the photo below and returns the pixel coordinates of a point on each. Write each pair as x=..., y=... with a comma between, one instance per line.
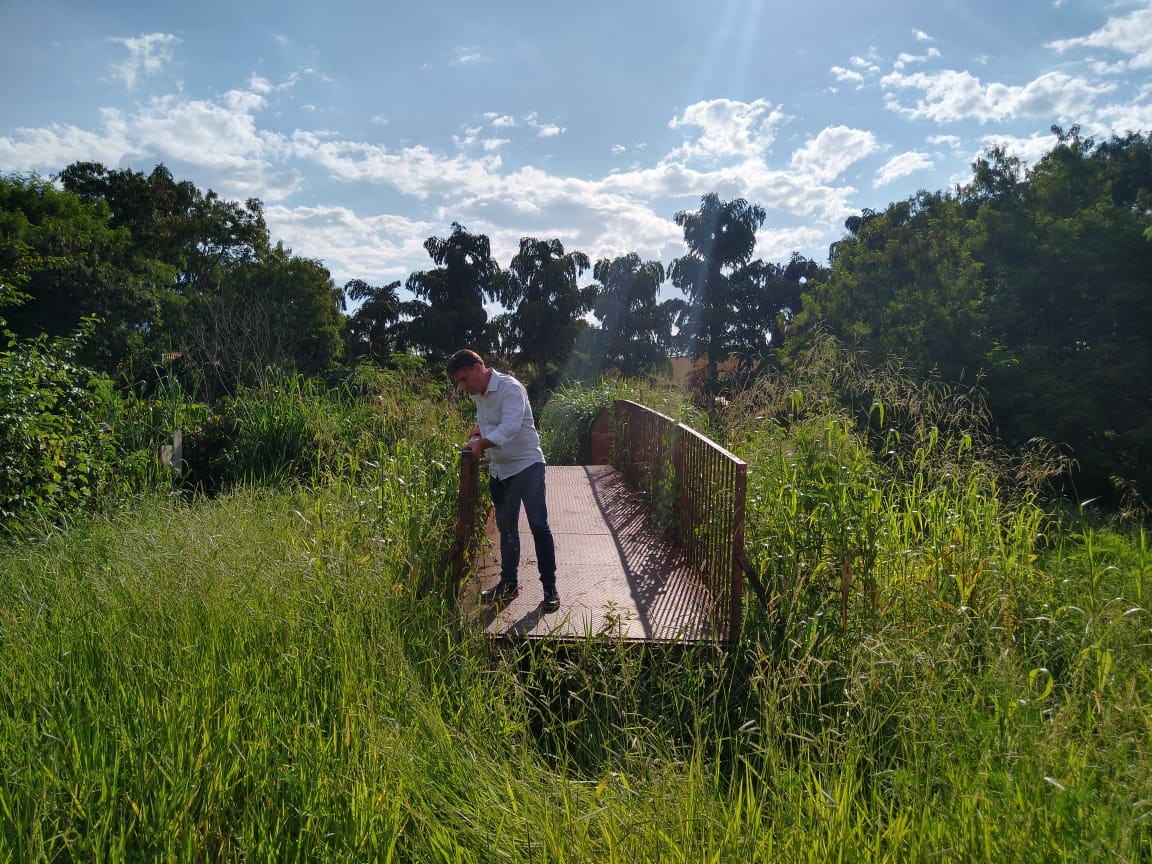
x=505, y=415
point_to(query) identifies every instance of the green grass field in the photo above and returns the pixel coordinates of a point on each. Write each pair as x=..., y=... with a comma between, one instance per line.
x=274, y=674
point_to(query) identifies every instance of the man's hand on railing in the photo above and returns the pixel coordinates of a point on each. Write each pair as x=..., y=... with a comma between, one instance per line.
x=473, y=447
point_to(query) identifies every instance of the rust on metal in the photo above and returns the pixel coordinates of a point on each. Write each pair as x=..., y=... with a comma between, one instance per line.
x=467, y=513
x=695, y=490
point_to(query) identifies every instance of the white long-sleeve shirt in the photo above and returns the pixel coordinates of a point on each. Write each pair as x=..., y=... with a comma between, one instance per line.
x=504, y=416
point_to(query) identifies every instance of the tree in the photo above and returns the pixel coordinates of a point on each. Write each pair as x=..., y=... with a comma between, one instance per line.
x=194, y=234
x=1073, y=309
x=908, y=285
x=74, y=264
x=766, y=298
x=636, y=329
x=541, y=288
x=278, y=311
x=378, y=328
x=720, y=237
x=451, y=313
x=1033, y=283
x=218, y=296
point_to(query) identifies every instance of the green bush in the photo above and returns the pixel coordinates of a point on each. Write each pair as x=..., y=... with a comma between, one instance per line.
x=55, y=455
x=565, y=422
x=290, y=429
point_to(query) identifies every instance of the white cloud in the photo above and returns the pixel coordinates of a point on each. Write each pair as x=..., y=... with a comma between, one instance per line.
x=219, y=136
x=1130, y=35
x=378, y=249
x=147, y=55
x=469, y=138
x=903, y=165
x=778, y=244
x=728, y=129
x=507, y=121
x=543, y=130
x=921, y=36
x=952, y=141
x=466, y=56
x=1120, y=119
x=416, y=171
x=48, y=149
x=1028, y=150
x=842, y=74
x=242, y=102
x=905, y=59
x=950, y=95
x=593, y=217
x=205, y=133
x=832, y=152
x=865, y=63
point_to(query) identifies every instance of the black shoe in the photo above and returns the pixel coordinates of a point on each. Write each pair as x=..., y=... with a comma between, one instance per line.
x=551, y=600
x=501, y=591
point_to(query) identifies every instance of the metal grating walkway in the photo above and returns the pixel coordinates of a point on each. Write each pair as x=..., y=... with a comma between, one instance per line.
x=617, y=576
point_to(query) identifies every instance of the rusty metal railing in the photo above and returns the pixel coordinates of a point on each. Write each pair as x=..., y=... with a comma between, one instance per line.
x=467, y=510
x=695, y=490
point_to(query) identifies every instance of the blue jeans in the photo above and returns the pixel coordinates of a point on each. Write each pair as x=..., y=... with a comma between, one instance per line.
x=527, y=488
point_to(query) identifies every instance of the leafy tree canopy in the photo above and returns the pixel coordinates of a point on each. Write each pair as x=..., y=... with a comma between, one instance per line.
x=1034, y=282
x=450, y=312
x=171, y=274
x=635, y=331
x=721, y=237
x=542, y=288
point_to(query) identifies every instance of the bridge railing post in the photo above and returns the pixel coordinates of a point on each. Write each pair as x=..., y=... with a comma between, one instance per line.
x=467, y=506
x=739, y=505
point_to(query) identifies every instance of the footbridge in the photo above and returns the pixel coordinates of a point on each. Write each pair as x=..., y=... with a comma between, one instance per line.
x=649, y=539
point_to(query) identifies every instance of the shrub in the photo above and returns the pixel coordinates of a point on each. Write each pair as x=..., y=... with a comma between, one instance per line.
x=54, y=453
x=565, y=422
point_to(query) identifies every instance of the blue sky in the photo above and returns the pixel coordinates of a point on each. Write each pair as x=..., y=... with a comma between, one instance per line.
x=366, y=127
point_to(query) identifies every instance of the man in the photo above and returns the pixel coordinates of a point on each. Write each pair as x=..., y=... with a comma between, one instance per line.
x=506, y=429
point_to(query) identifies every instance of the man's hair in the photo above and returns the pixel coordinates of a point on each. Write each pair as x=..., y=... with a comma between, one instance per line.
x=465, y=358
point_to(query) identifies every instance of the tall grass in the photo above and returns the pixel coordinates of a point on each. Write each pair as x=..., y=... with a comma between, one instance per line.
x=566, y=419
x=930, y=629
x=274, y=674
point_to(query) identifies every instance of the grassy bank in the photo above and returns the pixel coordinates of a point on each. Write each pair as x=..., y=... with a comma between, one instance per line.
x=272, y=674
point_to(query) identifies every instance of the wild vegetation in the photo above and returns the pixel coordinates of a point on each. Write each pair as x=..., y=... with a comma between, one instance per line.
x=252, y=657
x=272, y=672
x=1030, y=282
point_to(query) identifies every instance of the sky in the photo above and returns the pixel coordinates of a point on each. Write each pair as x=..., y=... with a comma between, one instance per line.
x=367, y=126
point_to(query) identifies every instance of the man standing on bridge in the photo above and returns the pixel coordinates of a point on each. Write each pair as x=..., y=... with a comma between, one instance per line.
x=505, y=427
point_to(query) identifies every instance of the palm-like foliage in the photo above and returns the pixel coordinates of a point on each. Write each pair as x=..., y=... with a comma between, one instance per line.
x=720, y=236
x=765, y=298
x=374, y=330
x=548, y=303
x=635, y=329
x=450, y=311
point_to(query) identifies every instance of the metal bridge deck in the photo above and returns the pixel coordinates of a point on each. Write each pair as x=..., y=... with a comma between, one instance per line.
x=616, y=575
